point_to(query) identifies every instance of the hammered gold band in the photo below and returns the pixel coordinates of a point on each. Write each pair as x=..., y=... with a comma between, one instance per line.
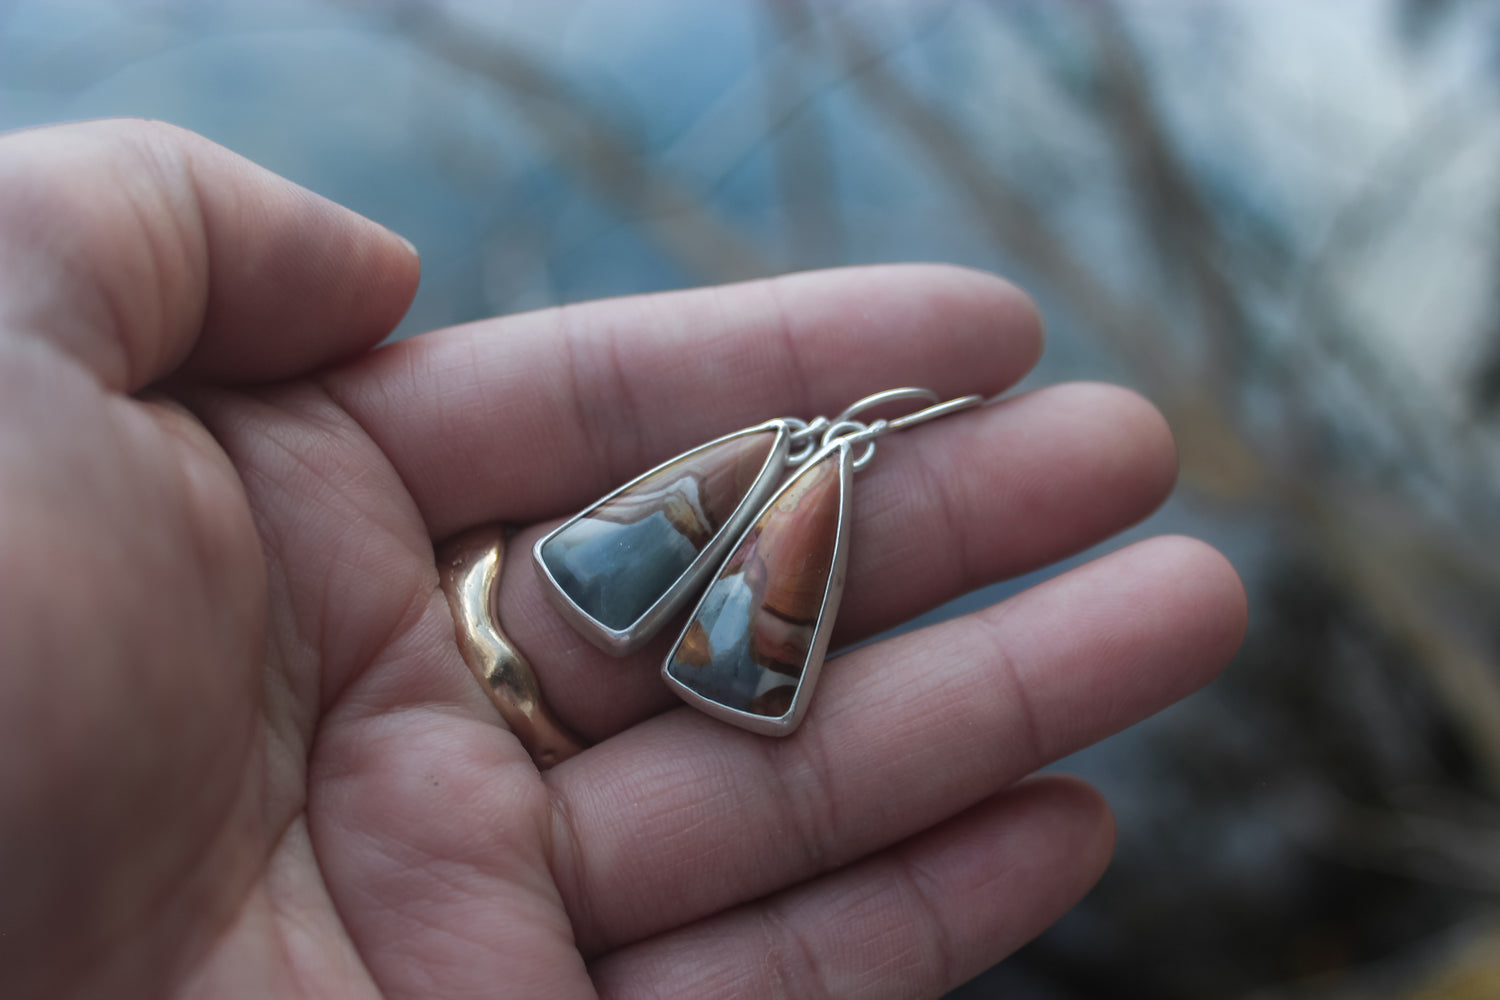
x=469, y=567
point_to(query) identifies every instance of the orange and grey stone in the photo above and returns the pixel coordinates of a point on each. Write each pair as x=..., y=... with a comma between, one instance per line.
x=748, y=643
x=616, y=561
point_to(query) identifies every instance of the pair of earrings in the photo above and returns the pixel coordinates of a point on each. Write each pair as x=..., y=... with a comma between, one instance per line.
x=755, y=643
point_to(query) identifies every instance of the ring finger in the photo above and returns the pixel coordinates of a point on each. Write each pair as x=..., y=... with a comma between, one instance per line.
x=904, y=734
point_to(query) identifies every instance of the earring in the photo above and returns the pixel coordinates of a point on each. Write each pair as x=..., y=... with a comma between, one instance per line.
x=755, y=642
x=620, y=569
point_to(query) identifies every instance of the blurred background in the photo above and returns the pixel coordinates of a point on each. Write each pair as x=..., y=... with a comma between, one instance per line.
x=1278, y=219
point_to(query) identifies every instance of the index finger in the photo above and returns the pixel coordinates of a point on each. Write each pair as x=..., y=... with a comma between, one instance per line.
x=535, y=415
x=142, y=251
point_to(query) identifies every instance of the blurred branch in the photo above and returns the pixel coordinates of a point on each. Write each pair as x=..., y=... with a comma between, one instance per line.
x=1427, y=433
x=1008, y=217
x=804, y=161
x=1172, y=211
x=598, y=152
x=802, y=45
x=1190, y=242
x=1377, y=559
x=1462, y=963
x=1441, y=848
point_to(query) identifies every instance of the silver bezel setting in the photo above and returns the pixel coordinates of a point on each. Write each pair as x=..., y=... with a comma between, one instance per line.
x=621, y=642
x=817, y=650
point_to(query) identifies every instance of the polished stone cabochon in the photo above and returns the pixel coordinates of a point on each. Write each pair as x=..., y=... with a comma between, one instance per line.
x=617, y=560
x=747, y=645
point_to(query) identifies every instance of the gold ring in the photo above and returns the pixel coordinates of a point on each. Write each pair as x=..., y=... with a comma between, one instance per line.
x=469, y=567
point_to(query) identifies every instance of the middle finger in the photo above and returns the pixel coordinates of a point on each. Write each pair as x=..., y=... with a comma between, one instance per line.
x=943, y=509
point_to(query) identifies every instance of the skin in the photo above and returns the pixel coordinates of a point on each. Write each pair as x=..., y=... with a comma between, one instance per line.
x=239, y=752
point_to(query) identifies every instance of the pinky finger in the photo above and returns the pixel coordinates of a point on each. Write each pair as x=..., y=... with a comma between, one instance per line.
x=913, y=921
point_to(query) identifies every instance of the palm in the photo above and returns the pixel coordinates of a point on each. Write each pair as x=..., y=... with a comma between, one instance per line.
x=257, y=766
x=398, y=789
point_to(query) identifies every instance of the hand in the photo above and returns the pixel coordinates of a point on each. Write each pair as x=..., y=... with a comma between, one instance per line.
x=240, y=754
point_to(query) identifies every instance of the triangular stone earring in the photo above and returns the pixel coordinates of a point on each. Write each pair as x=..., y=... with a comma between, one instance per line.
x=759, y=634
x=622, y=568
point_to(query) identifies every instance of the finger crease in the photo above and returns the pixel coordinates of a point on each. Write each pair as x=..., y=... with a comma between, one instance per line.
x=792, y=959
x=784, y=328
x=562, y=848
x=810, y=812
x=1031, y=731
x=959, y=547
x=918, y=886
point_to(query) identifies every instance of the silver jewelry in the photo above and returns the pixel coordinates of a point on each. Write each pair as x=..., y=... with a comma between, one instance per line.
x=755, y=642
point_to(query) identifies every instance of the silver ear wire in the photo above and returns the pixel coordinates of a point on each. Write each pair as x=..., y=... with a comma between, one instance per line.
x=845, y=427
